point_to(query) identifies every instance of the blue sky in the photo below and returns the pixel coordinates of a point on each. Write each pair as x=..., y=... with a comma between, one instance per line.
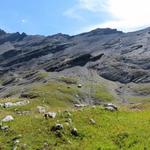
x=72, y=16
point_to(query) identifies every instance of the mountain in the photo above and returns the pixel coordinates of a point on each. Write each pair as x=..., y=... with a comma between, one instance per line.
x=88, y=92
x=113, y=55
x=117, y=56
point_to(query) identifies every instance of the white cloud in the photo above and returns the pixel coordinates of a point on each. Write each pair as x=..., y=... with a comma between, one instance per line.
x=128, y=14
x=92, y=6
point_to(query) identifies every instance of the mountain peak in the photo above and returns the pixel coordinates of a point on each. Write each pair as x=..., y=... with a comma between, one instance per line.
x=105, y=31
x=101, y=31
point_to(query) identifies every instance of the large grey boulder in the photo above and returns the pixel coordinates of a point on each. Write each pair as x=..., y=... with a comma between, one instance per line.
x=19, y=103
x=8, y=104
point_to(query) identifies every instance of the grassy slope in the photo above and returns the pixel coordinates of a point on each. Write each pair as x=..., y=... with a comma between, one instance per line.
x=60, y=95
x=118, y=130
x=113, y=131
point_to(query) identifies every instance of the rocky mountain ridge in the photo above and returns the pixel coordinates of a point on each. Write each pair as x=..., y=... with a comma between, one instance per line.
x=116, y=56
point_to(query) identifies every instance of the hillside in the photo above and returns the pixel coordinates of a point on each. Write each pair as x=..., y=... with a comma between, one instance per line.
x=74, y=77
x=112, y=55
x=112, y=130
x=117, y=56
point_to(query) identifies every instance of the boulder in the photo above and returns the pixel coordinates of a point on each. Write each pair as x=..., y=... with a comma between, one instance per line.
x=8, y=118
x=110, y=107
x=4, y=128
x=57, y=127
x=29, y=95
x=16, y=142
x=74, y=132
x=79, y=85
x=50, y=115
x=92, y=121
x=79, y=105
x=19, y=103
x=41, y=109
x=8, y=104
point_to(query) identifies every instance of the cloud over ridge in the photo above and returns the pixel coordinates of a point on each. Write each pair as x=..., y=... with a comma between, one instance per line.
x=126, y=15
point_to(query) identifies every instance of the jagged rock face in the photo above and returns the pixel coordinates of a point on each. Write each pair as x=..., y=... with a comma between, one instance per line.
x=117, y=56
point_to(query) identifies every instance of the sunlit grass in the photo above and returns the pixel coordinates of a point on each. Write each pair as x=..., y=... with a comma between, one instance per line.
x=118, y=130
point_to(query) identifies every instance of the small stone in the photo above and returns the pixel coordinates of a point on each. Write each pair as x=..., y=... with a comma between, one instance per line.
x=111, y=107
x=69, y=142
x=41, y=109
x=67, y=124
x=80, y=105
x=74, y=132
x=8, y=118
x=92, y=121
x=57, y=127
x=4, y=128
x=50, y=115
x=16, y=142
x=77, y=96
x=79, y=85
